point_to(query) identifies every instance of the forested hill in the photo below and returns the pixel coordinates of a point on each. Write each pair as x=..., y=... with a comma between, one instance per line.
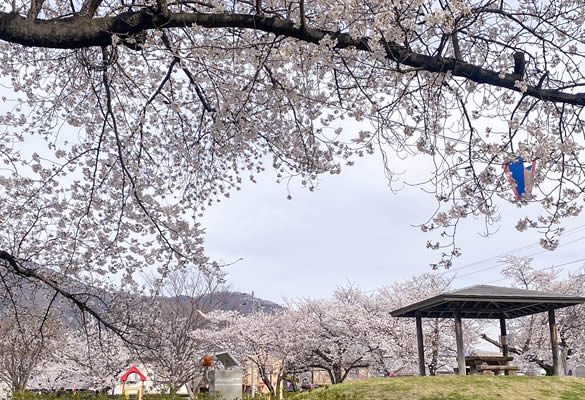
x=245, y=304
x=37, y=297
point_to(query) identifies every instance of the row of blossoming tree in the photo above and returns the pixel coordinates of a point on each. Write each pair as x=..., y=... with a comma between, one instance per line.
x=354, y=330
x=350, y=331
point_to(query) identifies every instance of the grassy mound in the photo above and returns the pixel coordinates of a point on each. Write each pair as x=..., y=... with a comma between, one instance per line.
x=454, y=388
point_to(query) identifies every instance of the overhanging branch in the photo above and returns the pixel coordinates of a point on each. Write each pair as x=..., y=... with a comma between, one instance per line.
x=82, y=31
x=19, y=270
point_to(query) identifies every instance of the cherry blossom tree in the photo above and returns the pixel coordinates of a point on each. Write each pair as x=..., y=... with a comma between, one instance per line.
x=349, y=331
x=531, y=336
x=334, y=333
x=124, y=121
x=397, y=349
x=29, y=330
x=177, y=326
x=269, y=342
x=23, y=347
x=84, y=357
x=329, y=334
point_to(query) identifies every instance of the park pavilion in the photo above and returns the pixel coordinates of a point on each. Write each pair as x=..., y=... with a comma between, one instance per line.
x=487, y=302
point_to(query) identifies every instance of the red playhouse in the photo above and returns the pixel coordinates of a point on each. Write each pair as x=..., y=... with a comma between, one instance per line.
x=139, y=391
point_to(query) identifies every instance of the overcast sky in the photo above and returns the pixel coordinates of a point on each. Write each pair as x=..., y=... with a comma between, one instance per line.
x=354, y=229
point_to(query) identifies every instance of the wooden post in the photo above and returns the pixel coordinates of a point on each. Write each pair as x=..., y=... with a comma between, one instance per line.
x=554, y=341
x=504, y=336
x=459, y=340
x=421, y=347
x=504, y=340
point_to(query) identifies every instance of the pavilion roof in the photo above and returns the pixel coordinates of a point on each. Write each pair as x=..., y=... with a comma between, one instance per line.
x=488, y=302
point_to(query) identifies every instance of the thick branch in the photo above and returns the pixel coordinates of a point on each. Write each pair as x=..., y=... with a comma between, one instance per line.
x=35, y=9
x=323, y=356
x=80, y=31
x=163, y=7
x=456, y=48
x=519, y=64
x=81, y=305
x=89, y=7
x=302, y=12
x=498, y=344
x=531, y=358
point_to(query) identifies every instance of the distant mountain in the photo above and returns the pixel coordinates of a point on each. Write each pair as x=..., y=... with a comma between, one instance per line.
x=246, y=304
x=36, y=297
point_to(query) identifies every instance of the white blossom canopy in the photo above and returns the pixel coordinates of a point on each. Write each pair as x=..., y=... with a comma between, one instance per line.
x=127, y=119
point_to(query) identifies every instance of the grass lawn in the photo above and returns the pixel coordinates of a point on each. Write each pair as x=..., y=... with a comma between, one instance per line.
x=454, y=388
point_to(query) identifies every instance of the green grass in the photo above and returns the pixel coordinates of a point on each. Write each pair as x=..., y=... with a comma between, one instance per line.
x=454, y=388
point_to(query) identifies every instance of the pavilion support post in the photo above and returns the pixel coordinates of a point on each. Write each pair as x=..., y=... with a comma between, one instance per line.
x=503, y=336
x=459, y=340
x=421, y=347
x=554, y=342
x=504, y=340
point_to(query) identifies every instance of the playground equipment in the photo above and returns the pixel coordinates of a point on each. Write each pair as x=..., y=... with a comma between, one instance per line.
x=138, y=391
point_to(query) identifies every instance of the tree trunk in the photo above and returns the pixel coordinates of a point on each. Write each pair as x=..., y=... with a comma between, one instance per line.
x=434, y=364
x=266, y=379
x=331, y=376
x=190, y=391
x=292, y=380
x=338, y=374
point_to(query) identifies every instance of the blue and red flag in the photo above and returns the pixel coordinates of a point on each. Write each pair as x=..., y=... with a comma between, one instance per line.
x=521, y=177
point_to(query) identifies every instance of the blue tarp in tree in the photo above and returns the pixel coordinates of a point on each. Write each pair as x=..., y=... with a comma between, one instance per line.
x=521, y=177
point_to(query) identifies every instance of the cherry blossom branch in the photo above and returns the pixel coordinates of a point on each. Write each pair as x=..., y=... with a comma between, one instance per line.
x=157, y=224
x=89, y=7
x=35, y=9
x=187, y=72
x=77, y=32
x=302, y=12
x=82, y=306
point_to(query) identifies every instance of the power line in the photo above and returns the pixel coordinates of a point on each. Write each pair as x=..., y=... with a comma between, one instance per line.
x=490, y=258
x=541, y=269
x=561, y=245
x=519, y=249
x=496, y=266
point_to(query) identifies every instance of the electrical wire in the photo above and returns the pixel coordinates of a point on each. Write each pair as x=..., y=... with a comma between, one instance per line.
x=513, y=251
x=498, y=266
x=539, y=270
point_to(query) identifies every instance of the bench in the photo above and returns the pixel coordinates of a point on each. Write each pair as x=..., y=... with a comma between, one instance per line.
x=490, y=364
x=495, y=369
